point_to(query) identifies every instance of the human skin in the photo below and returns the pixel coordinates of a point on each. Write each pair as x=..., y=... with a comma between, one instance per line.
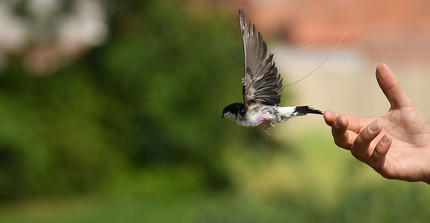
x=396, y=145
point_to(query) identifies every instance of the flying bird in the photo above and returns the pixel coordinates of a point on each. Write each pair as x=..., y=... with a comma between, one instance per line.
x=262, y=85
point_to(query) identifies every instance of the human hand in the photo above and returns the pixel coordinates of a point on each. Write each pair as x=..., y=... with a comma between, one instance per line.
x=396, y=145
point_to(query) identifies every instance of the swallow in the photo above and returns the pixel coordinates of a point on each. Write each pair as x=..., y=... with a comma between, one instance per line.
x=262, y=86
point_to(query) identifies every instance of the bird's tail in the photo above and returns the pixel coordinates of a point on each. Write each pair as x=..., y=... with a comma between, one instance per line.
x=289, y=112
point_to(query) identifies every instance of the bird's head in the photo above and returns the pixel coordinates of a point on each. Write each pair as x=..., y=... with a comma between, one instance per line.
x=231, y=111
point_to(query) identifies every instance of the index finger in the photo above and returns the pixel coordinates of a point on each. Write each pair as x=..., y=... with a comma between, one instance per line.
x=341, y=135
x=355, y=123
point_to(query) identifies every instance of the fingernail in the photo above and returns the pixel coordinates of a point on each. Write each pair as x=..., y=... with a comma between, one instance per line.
x=373, y=127
x=337, y=123
x=385, y=139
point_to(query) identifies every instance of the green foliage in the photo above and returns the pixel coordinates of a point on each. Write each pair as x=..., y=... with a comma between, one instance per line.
x=52, y=133
x=170, y=68
x=151, y=98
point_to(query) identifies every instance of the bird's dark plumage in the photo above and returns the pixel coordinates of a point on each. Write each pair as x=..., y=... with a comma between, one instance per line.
x=307, y=110
x=235, y=108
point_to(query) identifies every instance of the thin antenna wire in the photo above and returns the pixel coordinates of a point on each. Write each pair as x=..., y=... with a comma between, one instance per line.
x=338, y=44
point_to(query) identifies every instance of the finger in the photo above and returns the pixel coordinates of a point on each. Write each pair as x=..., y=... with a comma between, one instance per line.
x=340, y=132
x=377, y=160
x=329, y=117
x=391, y=87
x=355, y=124
x=360, y=148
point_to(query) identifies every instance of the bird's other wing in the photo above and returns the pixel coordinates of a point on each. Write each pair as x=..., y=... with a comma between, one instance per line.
x=262, y=83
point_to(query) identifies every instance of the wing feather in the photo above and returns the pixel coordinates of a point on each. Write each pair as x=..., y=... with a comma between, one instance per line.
x=262, y=83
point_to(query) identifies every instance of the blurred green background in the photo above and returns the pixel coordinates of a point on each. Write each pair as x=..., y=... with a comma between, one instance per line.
x=128, y=129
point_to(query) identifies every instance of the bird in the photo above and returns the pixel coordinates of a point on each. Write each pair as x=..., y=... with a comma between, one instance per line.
x=262, y=85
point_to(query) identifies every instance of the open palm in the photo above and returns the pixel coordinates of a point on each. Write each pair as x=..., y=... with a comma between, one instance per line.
x=396, y=145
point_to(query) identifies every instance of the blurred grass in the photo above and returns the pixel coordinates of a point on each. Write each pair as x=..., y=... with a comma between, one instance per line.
x=308, y=181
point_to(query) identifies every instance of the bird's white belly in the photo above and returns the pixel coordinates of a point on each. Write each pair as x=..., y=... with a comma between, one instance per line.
x=257, y=118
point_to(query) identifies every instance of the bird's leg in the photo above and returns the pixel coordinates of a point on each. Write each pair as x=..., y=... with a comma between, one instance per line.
x=268, y=126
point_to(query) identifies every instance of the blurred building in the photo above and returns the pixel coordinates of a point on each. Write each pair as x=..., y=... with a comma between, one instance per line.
x=395, y=29
x=45, y=32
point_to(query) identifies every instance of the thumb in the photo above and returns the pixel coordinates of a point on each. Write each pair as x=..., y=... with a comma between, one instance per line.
x=391, y=87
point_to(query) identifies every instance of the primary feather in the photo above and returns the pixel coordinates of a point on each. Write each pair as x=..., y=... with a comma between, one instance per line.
x=262, y=83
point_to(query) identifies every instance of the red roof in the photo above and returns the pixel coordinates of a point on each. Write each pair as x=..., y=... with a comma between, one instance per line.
x=379, y=27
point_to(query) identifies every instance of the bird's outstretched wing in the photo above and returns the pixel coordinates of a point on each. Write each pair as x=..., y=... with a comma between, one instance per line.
x=262, y=83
